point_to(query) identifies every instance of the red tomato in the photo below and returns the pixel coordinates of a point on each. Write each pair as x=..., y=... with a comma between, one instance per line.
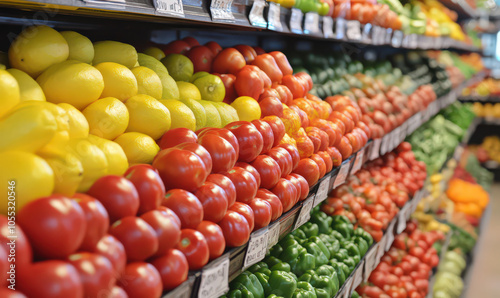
x=8, y=293
x=262, y=211
x=194, y=246
x=308, y=169
x=249, y=82
x=191, y=41
x=50, y=279
x=246, y=211
x=321, y=164
x=247, y=51
x=214, y=237
x=141, y=280
x=167, y=230
x=24, y=255
x=228, y=61
x=200, y=151
x=267, y=64
x=172, y=267
x=354, y=141
x=202, y=58
x=345, y=148
x=176, y=47
x=95, y=271
x=186, y=206
x=171, y=214
x=277, y=126
x=259, y=50
x=304, y=186
x=117, y=194
x=117, y=292
x=294, y=153
x=271, y=106
x=282, y=62
x=228, y=80
x=298, y=187
x=268, y=169
x=251, y=170
x=244, y=183
x=55, y=226
x=286, y=192
x=235, y=229
x=4, y=266
x=214, y=201
x=222, y=153
x=335, y=156
x=177, y=136
x=137, y=236
x=114, y=251
x=267, y=134
x=327, y=159
x=180, y=169
x=294, y=85
x=273, y=200
x=250, y=140
x=285, y=95
x=226, y=184
x=96, y=217
x=149, y=187
x=223, y=133
x=283, y=158
x=214, y=47
x=306, y=79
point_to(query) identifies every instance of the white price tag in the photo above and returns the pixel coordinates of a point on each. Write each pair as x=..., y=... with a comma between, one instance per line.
x=358, y=276
x=403, y=132
x=342, y=175
x=328, y=27
x=375, y=153
x=274, y=17
x=182, y=291
x=381, y=249
x=390, y=234
x=384, y=147
x=274, y=234
x=257, y=247
x=305, y=212
x=347, y=288
x=366, y=34
x=358, y=163
x=322, y=192
x=387, y=36
x=339, y=28
x=397, y=38
x=311, y=23
x=395, y=138
x=173, y=7
x=215, y=278
x=413, y=41
x=256, y=15
x=402, y=219
x=353, y=31
x=221, y=10
x=406, y=41
x=296, y=20
x=370, y=261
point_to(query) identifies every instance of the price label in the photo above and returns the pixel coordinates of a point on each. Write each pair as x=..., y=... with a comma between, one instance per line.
x=256, y=15
x=221, y=10
x=171, y=7
x=342, y=175
x=274, y=17
x=387, y=36
x=395, y=138
x=339, y=28
x=366, y=34
x=305, y=212
x=358, y=163
x=380, y=35
x=381, y=249
x=358, y=276
x=328, y=27
x=397, y=38
x=347, y=288
x=257, y=247
x=385, y=144
x=322, y=192
x=215, y=278
x=402, y=219
x=296, y=20
x=405, y=43
x=390, y=234
x=311, y=23
x=413, y=41
x=403, y=132
x=182, y=291
x=274, y=234
x=353, y=30
x=375, y=153
x=370, y=261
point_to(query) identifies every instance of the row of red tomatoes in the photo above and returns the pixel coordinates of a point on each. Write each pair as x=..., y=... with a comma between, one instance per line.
x=405, y=269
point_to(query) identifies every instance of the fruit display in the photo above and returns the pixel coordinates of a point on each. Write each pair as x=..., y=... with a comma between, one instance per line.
x=486, y=110
x=484, y=89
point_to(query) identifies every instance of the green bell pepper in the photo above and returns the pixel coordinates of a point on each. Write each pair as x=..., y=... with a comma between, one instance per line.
x=276, y=250
x=344, y=229
x=310, y=229
x=326, y=270
x=341, y=255
x=323, y=221
x=354, y=294
x=340, y=272
x=338, y=219
x=244, y=293
x=336, y=235
x=318, y=254
x=360, y=232
x=299, y=233
x=290, y=253
x=282, y=266
x=256, y=267
x=361, y=244
x=304, y=290
x=331, y=243
x=281, y=284
x=264, y=281
x=326, y=283
x=271, y=261
x=350, y=262
x=247, y=280
x=352, y=249
x=321, y=245
x=304, y=262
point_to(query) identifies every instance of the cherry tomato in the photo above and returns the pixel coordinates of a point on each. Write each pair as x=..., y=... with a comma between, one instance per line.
x=267, y=134
x=137, y=236
x=262, y=211
x=304, y=186
x=247, y=51
x=250, y=140
x=200, y=151
x=96, y=217
x=226, y=184
x=228, y=60
x=273, y=200
x=246, y=211
x=269, y=170
x=186, y=206
x=244, y=183
x=251, y=170
x=117, y=194
x=286, y=192
x=277, y=126
x=214, y=47
x=167, y=230
x=235, y=229
x=214, y=237
x=194, y=246
x=294, y=153
x=149, y=187
x=177, y=136
x=222, y=153
x=202, y=58
x=55, y=226
x=95, y=271
x=214, y=201
x=141, y=280
x=283, y=158
x=114, y=251
x=308, y=169
x=173, y=268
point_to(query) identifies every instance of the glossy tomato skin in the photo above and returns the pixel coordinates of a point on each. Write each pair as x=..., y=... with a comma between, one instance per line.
x=308, y=169
x=177, y=136
x=186, y=206
x=55, y=226
x=214, y=47
x=244, y=183
x=171, y=214
x=141, y=280
x=228, y=81
x=200, y=151
x=214, y=201
x=251, y=170
x=321, y=164
x=117, y=194
x=222, y=153
x=278, y=128
x=262, y=211
x=202, y=58
x=294, y=153
x=50, y=279
x=267, y=64
x=176, y=47
x=247, y=212
x=247, y=51
x=226, y=184
x=268, y=169
x=298, y=187
x=191, y=41
x=223, y=133
x=267, y=134
x=8, y=293
x=327, y=159
x=345, y=148
x=286, y=192
x=249, y=82
x=173, y=268
x=167, y=230
x=214, y=237
x=149, y=187
x=235, y=229
x=283, y=158
x=273, y=200
x=137, y=236
x=282, y=61
x=335, y=156
x=294, y=85
x=271, y=106
x=194, y=247
x=304, y=186
x=114, y=251
x=96, y=217
x=249, y=139
x=95, y=271
x=228, y=60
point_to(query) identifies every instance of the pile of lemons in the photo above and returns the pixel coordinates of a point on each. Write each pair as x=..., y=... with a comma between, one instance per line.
x=72, y=111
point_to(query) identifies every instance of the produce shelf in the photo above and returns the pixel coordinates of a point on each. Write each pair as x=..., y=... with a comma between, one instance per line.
x=242, y=15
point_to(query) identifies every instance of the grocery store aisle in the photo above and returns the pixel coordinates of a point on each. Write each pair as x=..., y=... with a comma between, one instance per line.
x=485, y=278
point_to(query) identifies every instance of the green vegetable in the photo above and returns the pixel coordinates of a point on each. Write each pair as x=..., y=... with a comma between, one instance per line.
x=323, y=221
x=248, y=281
x=304, y=290
x=244, y=293
x=318, y=254
x=281, y=284
x=310, y=229
x=304, y=262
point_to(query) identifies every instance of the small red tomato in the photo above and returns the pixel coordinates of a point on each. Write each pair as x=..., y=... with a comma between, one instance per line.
x=298, y=186
x=304, y=186
x=268, y=169
x=214, y=201
x=321, y=164
x=228, y=60
x=286, y=192
x=202, y=58
x=251, y=170
x=308, y=169
x=235, y=229
x=214, y=237
x=177, y=136
x=141, y=280
x=200, y=151
x=114, y=251
x=247, y=212
x=137, y=236
x=262, y=211
x=250, y=140
x=186, y=206
x=267, y=134
x=244, y=183
x=222, y=153
x=277, y=126
x=95, y=271
x=167, y=230
x=194, y=246
x=294, y=153
x=173, y=268
x=283, y=158
x=226, y=184
x=96, y=217
x=273, y=200
x=149, y=187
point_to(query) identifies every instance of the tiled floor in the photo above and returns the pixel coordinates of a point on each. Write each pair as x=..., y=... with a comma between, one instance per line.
x=485, y=279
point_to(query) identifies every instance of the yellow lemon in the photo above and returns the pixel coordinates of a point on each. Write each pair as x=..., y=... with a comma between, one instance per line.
x=198, y=110
x=181, y=115
x=107, y=117
x=94, y=162
x=78, y=124
x=119, y=81
x=227, y=113
x=155, y=52
x=60, y=115
x=188, y=91
x=117, y=160
x=179, y=67
x=198, y=75
x=170, y=90
x=213, y=117
x=114, y=51
x=147, y=116
x=9, y=92
x=29, y=88
x=80, y=47
x=73, y=82
x=138, y=147
x=248, y=109
x=26, y=176
x=148, y=82
x=68, y=171
x=36, y=49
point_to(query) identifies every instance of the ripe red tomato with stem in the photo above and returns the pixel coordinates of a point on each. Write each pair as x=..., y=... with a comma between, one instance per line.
x=167, y=230
x=96, y=217
x=137, y=236
x=249, y=139
x=214, y=201
x=202, y=58
x=186, y=206
x=273, y=200
x=194, y=247
x=244, y=183
x=95, y=271
x=226, y=184
x=246, y=211
x=200, y=151
x=214, y=237
x=235, y=229
x=172, y=267
x=176, y=136
x=229, y=60
x=262, y=211
x=114, y=251
x=141, y=280
x=267, y=134
x=149, y=187
x=268, y=169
